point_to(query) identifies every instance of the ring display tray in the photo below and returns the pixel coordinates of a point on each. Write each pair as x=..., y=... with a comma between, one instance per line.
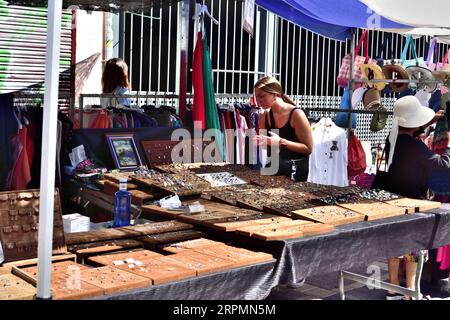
x=113, y=259
x=374, y=210
x=414, y=205
x=158, y=271
x=112, y=279
x=330, y=214
x=200, y=262
x=221, y=179
x=286, y=206
x=155, y=240
x=240, y=257
x=126, y=232
x=293, y=232
x=19, y=223
x=65, y=281
x=233, y=226
x=190, y=245
x=184, y=184
x=276, y=225
x=13, y=287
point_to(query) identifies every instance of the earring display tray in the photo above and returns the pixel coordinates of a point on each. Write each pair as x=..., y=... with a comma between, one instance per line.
x=183, y=184
x=220, y=179
x=293, y=232
x=158, y=271
x=112, y=279
x=95, y=248
x=200, y=262
x=19, y=224
x=271, y=181
x=287, y=206
x=122, y=257
x=414, y=205
x=374, y=210
x=231, y=194
x=330, y=214
x=115, y=177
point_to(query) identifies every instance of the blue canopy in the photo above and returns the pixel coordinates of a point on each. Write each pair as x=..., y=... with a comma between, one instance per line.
x=329, y=18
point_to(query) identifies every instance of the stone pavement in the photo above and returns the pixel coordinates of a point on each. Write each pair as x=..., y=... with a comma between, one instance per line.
x=326, y=287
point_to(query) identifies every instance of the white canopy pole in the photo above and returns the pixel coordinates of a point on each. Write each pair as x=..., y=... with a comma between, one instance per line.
x=49, y=132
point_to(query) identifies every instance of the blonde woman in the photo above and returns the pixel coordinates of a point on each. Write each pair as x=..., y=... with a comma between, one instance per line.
x=294, y=138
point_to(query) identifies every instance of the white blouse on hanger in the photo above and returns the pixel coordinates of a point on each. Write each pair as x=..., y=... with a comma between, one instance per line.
x=328, y=161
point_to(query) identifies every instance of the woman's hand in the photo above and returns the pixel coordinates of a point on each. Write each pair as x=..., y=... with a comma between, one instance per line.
x=271, y=140
x=440, y=114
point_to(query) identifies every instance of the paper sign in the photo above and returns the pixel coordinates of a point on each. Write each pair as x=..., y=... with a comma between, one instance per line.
x=249, y=16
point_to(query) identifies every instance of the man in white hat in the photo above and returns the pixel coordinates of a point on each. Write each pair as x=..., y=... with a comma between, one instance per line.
x=409, y=166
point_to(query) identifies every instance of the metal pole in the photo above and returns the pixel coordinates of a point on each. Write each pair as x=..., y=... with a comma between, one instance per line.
x=47, y=186
x=351, y=83
x=182, y=56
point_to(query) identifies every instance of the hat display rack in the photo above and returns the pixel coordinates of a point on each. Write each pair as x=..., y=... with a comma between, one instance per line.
x=352, y=81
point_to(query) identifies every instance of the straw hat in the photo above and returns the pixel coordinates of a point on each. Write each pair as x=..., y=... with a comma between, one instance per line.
x=373, y=71
x=422, y=73
x=371, y=99
x=396, y=72
x=410, y=113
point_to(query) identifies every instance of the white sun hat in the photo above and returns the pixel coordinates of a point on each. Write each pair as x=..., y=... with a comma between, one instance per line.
x=408, y=113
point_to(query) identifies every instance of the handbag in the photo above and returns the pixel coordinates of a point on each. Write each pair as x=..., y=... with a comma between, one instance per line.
x=390, y=59
x=416, y=61
x=433, y=57
x=341, y=119
x=381, y=179
x=379, y=120
x=356, y=156
x=343, y=77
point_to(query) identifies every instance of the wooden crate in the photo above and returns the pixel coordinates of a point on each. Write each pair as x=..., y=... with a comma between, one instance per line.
x=414, y=205
x=374, y=210
x=330, y=214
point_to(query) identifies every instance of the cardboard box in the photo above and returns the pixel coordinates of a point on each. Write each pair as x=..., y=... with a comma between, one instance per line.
x=76, y=222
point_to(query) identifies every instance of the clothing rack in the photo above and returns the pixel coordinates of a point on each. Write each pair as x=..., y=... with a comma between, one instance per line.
x=154, y=96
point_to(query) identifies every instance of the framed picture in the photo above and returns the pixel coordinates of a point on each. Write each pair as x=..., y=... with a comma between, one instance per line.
x=123, y=150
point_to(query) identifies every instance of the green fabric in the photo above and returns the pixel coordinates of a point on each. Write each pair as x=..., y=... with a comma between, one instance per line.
x=211, y=114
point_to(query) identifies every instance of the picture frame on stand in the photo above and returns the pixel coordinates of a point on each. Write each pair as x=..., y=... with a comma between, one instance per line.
x=124, y=151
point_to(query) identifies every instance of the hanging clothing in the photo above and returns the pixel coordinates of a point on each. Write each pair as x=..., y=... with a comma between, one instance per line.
x=198, y=107
x=328, y=161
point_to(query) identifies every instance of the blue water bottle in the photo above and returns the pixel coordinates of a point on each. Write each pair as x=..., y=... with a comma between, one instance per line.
x=122, y=205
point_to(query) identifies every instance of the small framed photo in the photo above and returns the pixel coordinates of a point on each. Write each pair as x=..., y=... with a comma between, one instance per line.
x=124, y=151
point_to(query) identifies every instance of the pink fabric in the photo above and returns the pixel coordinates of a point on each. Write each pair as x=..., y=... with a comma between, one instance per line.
x=443, y=256
x=443, y=253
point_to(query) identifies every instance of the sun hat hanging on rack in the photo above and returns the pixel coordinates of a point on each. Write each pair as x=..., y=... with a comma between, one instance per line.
x=396, y=72
x=373, y=72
